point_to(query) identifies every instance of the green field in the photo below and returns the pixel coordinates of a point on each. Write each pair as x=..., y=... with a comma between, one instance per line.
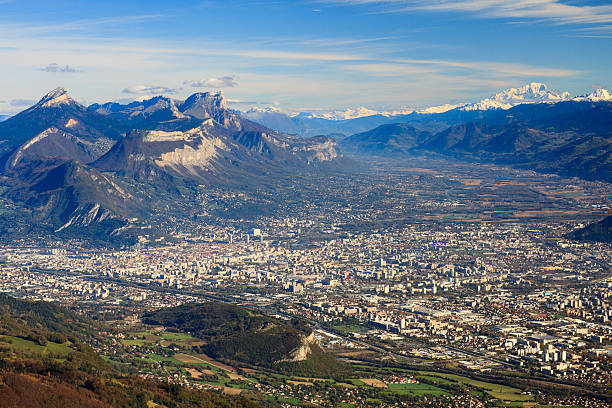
x=33, y=347
x=156, y=358
x=502, y=392
x=415, y=389
x=439, y=380
x=350, y=328
x=132, y=342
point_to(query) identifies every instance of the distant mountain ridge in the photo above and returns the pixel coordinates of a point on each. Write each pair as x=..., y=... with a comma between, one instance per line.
x=568, y=138
x=76, y=169
x=385, y=140
x=362, y=119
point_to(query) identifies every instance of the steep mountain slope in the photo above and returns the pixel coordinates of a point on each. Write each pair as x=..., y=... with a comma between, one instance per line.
x=211, y=105
x=163, y=113
x=60, y=124
x=385, y=140
x=53, y=143
x=215, y=153
x=69, y=194
x=57, y=173
x=569, y=138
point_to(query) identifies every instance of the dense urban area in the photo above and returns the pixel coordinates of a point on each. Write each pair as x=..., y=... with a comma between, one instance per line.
x=484, y=288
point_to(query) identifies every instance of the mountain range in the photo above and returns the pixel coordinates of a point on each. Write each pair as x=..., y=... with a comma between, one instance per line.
x=72, y=168
x=567, y=138
x=79, y=167
x=361, y=119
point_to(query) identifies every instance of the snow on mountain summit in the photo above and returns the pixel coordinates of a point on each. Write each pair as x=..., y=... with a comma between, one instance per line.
x=360, y=112
x=267, y=109
x=344, y=115
x=440, y=109
x=58, y=96
x=600, y=95
x=534, y=92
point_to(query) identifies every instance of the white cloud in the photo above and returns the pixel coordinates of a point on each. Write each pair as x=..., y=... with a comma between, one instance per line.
x=149, y=90
x=552, y=10
x=502, y=69
x=60, y=68
x=221, y=82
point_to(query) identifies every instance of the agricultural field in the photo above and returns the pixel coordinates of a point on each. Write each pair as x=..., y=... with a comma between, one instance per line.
x=28, y=346
x=351, y=328
x=501, y=392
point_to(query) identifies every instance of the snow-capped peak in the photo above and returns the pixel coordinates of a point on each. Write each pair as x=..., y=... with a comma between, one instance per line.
x=441, y=108
x=58, y=96
x=600, y=95
x=356, y=113
x=534, y=92
x=359, y=112
x=268, y=109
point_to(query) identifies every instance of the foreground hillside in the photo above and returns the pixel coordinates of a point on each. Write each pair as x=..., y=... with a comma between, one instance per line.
x=45, y=363
x=235, y=334
x=600, y=231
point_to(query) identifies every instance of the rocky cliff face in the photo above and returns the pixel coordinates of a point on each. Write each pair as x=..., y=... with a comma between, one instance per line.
x=303, y=350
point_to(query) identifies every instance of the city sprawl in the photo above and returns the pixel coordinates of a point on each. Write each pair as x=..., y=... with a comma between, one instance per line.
x=472, y=284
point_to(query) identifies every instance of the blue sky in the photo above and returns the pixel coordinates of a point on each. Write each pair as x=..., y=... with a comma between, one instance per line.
x=302, y=54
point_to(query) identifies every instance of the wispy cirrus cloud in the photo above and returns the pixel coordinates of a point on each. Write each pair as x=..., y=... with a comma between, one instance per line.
x=555, y=11
x=227, y=81
x=503, y=69
x=149, y=90
x=76, y=25
x=405, y=67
